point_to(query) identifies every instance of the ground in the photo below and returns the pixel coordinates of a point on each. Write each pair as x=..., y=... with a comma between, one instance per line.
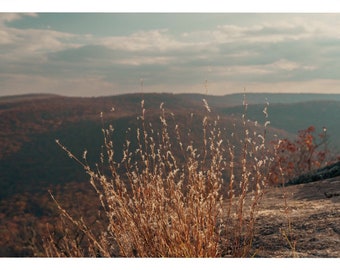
x=313, y=210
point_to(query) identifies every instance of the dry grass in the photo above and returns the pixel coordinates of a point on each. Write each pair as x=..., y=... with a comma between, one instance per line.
x=170, y=197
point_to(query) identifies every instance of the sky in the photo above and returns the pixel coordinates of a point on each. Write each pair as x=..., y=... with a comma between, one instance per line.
x=110, y=53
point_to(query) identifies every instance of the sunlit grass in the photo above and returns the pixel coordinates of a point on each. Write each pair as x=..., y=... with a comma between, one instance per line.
x=173, y=197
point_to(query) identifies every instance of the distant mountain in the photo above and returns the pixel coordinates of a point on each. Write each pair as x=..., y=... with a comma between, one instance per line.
x=260, y=98
x=254, y=98
x=27, y=97
x=293, y=117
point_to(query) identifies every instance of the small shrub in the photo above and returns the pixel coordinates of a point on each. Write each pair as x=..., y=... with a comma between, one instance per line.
x=305, y=154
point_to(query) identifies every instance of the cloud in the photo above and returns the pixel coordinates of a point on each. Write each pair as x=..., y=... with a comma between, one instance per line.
x=74, y=86
x=9, y=17
x=19, y=44
x=144, y=61
x=155, y=40
x=260, y=51
x=284, y=28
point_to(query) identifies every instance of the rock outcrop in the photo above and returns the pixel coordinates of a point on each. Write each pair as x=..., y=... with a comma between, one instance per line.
x=327, y=172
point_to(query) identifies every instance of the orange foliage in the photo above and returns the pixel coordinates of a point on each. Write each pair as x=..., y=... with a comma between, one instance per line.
x=293, y=158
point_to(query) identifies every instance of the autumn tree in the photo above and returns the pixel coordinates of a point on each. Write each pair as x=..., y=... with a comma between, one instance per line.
x=306, y=153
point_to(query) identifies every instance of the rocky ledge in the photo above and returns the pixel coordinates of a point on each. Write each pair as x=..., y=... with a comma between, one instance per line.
x=327, y=172
x=301, y=219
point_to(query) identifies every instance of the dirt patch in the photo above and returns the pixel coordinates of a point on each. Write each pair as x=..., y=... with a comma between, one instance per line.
x=308, y=226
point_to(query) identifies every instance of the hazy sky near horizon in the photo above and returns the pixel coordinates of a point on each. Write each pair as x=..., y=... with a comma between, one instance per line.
x=95, y=54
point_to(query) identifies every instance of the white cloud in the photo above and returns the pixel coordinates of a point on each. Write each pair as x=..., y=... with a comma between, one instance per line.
x=139, y=61
x=259, y=70
x=155, y=40
x=269, y=30
x=19, y=44
x=33, y=45
x=9, y=17
x=5, y=37
x=284, y=64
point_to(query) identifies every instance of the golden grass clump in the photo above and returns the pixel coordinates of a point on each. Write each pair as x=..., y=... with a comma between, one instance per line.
x=170, y=197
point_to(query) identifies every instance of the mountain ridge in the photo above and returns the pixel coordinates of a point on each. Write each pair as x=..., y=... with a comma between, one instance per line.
x=252, y=97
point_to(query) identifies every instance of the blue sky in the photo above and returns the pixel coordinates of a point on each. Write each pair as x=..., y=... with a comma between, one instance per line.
x=94, y=54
